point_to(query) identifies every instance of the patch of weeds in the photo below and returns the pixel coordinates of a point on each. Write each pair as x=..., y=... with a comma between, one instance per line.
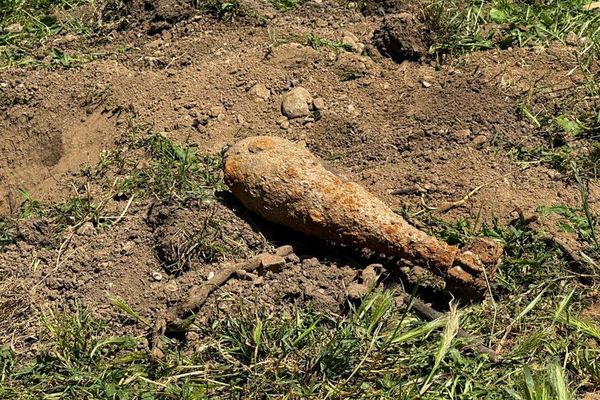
x=379, y=350
x=72, y=212
x=174, y=172
x=317, y=42
x=458, y=26
x=285, y=5
x=78, y=362
x=223, y=10
x=352, y=75
x=25, y=23
x=65, y=60
x=8, y=233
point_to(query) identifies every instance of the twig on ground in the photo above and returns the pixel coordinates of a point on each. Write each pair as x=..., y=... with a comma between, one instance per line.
x=430, y=314
x=445, y=207
x=575, y=256
x=174, y=319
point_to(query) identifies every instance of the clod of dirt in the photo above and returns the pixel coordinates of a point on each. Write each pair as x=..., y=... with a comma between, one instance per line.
x=382, y=7
x=286, y=184
x=350, y=40
x=36, y=232
x=201, y=233
x=154, y=16
x=296, y=103
x=260, y=91
x=402, y=37
x=368, y=277
x=319, y=103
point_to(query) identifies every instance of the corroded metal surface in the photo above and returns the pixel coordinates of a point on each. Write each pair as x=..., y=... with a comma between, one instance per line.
x=286, y=184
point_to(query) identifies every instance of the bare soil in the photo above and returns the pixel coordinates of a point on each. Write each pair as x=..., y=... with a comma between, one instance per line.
x=388, y=125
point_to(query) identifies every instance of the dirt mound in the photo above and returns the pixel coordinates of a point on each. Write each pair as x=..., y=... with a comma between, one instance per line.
x=200, y=232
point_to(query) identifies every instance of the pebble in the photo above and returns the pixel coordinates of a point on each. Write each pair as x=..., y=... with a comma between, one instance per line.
x=87, y=229
x=272, y=262
x=350, y=40
x=216, y=111
x=259, y=281
x=171, y=287
x=128, y=246
x=260, y=91
x=479, y=141
x=463, y=133
x=319, y=103
x=283, y=122
x=296, y=102
x=426, y=84
x=571, y=39
x=284, y=251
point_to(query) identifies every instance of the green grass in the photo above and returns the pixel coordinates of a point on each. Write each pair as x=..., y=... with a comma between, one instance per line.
x=223, y=10
x=7, y=233
x=459, y=27
x=174, y=172
x=317, y=42
x=379, y=350
x=285, y=5
x=38, y=20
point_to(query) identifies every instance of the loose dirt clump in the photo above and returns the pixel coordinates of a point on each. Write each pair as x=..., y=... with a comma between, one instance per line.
x=402, y=37
x=200, y=232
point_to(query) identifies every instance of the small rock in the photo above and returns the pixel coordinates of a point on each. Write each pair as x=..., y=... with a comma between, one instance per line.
x=310, y=262
x=283, y=122
x=157, y=276
x=260, y=91
x=463, y=133
x=216, y=111
x=259, y=281
x=426, y=84
x=14, y=28
x=87, y=229
x=284, y=251
x=369, y=274
x=240, y=119
x=296, y=103
x=351, y=109
x=293, y=258
x=272, y=262
x=479, y=141
x=128, y=246
x=351, y=41
x=319, y=103
x=210, y=275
